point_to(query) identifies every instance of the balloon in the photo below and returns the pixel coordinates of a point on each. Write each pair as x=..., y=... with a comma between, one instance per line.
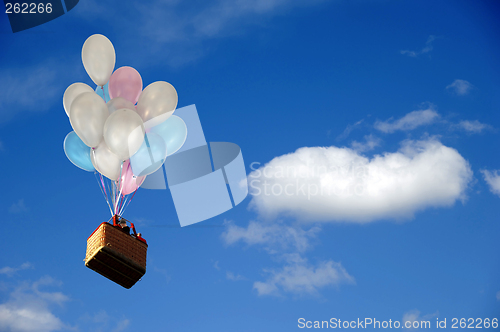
x=119, y=103
x=98, y=57
x=129, y=182
x=87, y=115
x=106, y=162
x=77, y=152
x=125, y=82
x=105, y=95
x=150, y=156
x=124, y=133
x=173, y=131
x=156, y=103
x=73, y=91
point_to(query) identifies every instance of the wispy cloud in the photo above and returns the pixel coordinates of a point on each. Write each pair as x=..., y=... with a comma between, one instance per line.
x=471, y=127
x=101, y=321
x=165, y=274
x=234, y=277
x=211, y=20
x=410, y=121
x=370, y=143
x=287, y=244
x=29, y=308
x=348, y=130
x=216, y=265
x=121, y=325
x=176, y=31
x=18, y=207
x=300, y=277
x=274, y=236
x=10, y=271
x=492, y=178
x=338, y=184
x=460, y=87
x=416, y=321
x=427, y=48
x=41, y=81
x=498, y=295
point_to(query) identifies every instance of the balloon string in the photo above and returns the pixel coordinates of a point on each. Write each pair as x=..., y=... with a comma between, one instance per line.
x=104, y=188
x=99, y=184
x=108, y=188
x=122, y=204
x=113, y=186
x=104, y=194
x=103, y=94
x=120, y=183
x=130, y=200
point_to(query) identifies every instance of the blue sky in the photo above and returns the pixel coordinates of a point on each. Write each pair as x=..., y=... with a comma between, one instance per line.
x=398, y=102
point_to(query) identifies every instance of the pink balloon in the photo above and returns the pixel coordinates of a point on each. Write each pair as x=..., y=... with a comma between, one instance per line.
x=126, y=82
x=130, y=183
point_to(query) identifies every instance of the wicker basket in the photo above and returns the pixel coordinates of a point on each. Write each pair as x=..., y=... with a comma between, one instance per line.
x=116, y=255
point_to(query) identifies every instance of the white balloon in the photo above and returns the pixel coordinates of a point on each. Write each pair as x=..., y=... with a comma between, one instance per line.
x=106, y=162
x=73, y=91
x=88, y=114
x=156, y=103
x=98, y=57
x=124, y=133
x=119, y=103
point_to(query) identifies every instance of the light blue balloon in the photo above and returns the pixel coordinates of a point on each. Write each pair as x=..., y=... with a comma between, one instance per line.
x=98, y=90
x=173, y=131
x=150, y=155
x=78, y=152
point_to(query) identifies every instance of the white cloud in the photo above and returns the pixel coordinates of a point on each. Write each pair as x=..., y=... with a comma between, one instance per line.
x=370, y=143
x=492, y=178
x=177, y=32
x=101, y=317
x=338, y=184
x=41, y=83
x=121, y=325
x=28, y=308
x=288, y=244
x=472, y=127
x=216, y=265
x=31, y=317
x=303, y=278
x=460, y=87
x=410, y=121
x=51, y=297
x=273, y=236
x=348, y=130
x=427, y=48
x=208, y=21
x=102, y=321
x=234, y=277
x=411, y=316
x=18, y=207
x=498, y=295
x=10, y=271
x=165, y=274
x=417, y=321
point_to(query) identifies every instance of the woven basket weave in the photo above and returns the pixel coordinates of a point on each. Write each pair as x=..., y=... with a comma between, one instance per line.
x=116, y=255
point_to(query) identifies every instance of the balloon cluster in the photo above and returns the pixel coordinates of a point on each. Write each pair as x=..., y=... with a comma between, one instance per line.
x=120, y=130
